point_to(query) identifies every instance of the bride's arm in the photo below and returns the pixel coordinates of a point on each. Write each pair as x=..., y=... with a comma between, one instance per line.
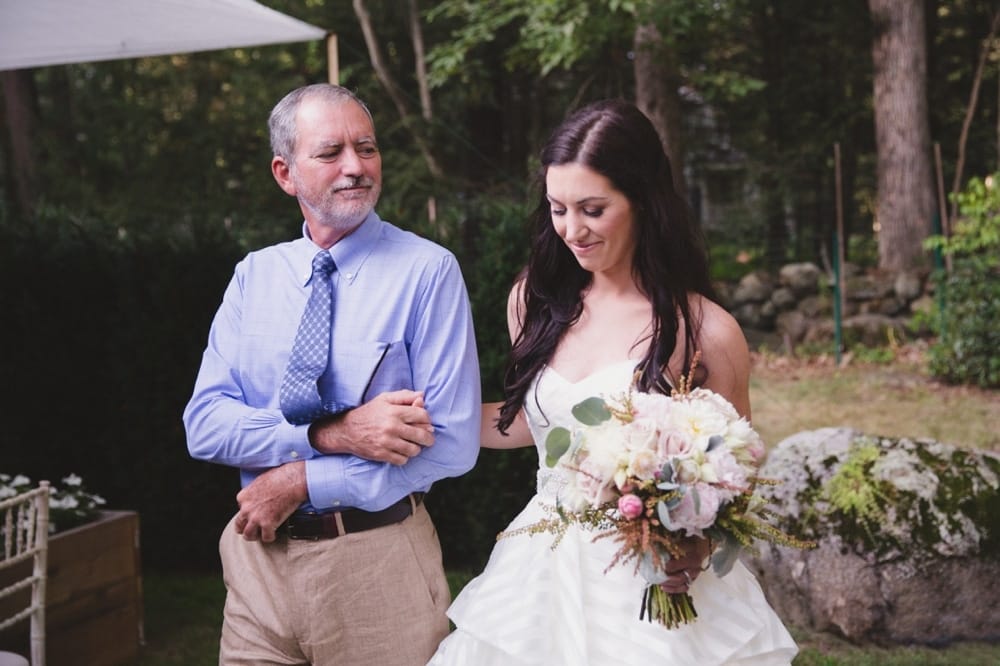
x=517, y=435
x=725, y=355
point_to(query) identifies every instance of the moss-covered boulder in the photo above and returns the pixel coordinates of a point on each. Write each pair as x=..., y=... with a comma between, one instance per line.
x=908, y=535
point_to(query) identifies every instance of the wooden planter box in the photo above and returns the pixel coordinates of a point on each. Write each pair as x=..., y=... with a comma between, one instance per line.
x=93, y=612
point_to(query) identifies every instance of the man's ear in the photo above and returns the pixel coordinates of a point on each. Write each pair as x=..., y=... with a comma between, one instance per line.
x=282, y=173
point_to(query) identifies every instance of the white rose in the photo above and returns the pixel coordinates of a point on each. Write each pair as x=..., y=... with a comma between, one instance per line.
x=644, y=465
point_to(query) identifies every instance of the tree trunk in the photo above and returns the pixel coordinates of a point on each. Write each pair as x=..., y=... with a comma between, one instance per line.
x=420, y=63
x=19, y=112
x=657, y=81
x=905, y=204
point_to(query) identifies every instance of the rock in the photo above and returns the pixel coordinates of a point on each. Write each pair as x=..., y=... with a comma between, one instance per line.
x=815, y=306
x=792, y=325
x=867, y=287
x=908, y=285
x=783, y=299
x=908, y=538
x=801, y=278
x=749, y=316
x=754, y=287
x=870, y=330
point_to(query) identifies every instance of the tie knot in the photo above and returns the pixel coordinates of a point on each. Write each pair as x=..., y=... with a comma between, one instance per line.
x=323, y=264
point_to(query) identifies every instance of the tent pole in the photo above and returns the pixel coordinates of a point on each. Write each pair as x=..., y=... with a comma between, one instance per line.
x=332, y=61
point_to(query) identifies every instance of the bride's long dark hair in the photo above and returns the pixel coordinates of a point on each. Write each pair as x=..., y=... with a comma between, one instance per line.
x=618, y=141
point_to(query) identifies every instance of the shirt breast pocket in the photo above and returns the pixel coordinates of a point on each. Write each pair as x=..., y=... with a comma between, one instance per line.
x=365, y=369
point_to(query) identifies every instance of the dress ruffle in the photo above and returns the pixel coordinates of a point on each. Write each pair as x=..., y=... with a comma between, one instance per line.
x=535, y=604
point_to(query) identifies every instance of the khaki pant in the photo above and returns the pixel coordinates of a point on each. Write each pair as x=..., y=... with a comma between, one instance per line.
x=371, y=598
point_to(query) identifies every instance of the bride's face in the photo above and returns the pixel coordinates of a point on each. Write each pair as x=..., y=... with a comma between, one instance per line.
x=594, y=219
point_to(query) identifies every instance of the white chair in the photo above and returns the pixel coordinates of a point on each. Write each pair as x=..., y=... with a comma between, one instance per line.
x=24, y=535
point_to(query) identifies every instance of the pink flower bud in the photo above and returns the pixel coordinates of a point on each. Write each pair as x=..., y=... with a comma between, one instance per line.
x=630, y=506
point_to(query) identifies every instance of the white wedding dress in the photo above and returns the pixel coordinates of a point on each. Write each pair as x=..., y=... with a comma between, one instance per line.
x=537, y=605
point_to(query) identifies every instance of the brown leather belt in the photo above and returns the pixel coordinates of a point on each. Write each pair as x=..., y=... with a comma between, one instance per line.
x=332, y=524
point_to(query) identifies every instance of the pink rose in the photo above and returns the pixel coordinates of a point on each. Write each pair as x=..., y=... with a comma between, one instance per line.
x=692, y=516
x=630, y=506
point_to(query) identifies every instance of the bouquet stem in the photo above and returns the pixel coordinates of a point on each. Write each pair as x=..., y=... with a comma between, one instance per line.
x=669, y=609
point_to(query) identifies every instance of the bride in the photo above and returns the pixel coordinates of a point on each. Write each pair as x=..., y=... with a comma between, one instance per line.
x=616, y=289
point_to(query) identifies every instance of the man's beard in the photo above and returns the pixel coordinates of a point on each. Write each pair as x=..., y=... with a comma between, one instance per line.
x=343, y=215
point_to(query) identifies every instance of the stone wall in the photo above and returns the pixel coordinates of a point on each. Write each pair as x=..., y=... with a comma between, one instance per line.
x=797, y=305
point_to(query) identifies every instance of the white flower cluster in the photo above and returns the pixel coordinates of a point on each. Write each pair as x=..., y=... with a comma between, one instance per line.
x=69, y=505
x=696, y=441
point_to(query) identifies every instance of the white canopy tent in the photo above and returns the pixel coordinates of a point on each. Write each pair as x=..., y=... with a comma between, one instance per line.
x=36, y=33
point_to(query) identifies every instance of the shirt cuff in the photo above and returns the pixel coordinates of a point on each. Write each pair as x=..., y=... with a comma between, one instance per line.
x=325, y=480
x=293, y=443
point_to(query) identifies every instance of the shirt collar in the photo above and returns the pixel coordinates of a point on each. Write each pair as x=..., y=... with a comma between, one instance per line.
x=349, y=252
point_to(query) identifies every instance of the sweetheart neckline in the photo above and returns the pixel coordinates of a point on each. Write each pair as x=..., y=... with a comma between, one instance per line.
x=601, y=370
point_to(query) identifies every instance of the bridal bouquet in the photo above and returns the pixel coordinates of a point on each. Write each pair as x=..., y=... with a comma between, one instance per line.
x=648, y=470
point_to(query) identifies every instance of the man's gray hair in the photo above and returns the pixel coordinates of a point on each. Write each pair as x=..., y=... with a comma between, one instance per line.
x=281, y=123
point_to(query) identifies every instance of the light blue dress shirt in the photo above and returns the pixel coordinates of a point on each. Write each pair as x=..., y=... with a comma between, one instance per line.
x=401, y=320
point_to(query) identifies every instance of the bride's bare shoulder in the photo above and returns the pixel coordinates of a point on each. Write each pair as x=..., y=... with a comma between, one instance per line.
x=724, y=352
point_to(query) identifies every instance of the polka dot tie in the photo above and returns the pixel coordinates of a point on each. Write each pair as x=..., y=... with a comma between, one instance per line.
x=300, y=399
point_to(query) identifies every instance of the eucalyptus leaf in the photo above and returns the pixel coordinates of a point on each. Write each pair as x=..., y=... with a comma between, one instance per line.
x=649, y=571
x=591, y=411
x=714, y=442
x=663, y=513
x=697, y=499
x=725, y=557
x=556, y=444
x=667, y=473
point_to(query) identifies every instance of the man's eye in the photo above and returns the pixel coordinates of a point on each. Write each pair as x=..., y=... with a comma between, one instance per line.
x=367, y=151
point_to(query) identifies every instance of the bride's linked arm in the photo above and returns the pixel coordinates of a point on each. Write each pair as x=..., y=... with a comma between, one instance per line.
x=517, y=435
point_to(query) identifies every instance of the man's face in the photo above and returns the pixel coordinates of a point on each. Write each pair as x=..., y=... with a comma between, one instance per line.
x=336, y=171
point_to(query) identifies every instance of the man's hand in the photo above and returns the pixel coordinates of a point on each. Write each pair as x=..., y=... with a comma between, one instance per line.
x=269, y=500
x=393, y=427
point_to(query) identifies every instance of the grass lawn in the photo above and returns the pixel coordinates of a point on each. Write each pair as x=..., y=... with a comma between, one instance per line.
x=183, y=615
x=183, y=612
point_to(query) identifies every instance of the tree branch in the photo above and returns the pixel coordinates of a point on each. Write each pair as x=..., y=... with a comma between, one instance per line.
x=385, y=77
x=969, y=112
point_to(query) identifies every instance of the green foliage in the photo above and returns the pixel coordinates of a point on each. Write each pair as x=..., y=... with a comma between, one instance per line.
x=556, y=444
x=731, y=259
x=968, y=347
x=877, y=355
x=977, y=230
x=555, y=34
x=967, y=350
x=855, y=495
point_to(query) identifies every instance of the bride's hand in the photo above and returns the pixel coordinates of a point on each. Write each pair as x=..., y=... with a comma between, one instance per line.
x=682, y=572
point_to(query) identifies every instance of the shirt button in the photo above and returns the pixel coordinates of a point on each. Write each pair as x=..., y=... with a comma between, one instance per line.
x=350, y=276
x=295, y=454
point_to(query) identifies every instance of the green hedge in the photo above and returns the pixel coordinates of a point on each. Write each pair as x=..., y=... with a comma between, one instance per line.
x=102, y=340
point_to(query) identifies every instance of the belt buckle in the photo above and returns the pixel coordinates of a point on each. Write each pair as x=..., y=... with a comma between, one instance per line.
x=291, y=528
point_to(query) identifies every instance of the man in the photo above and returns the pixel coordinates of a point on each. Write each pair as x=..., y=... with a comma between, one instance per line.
x=332, y=558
